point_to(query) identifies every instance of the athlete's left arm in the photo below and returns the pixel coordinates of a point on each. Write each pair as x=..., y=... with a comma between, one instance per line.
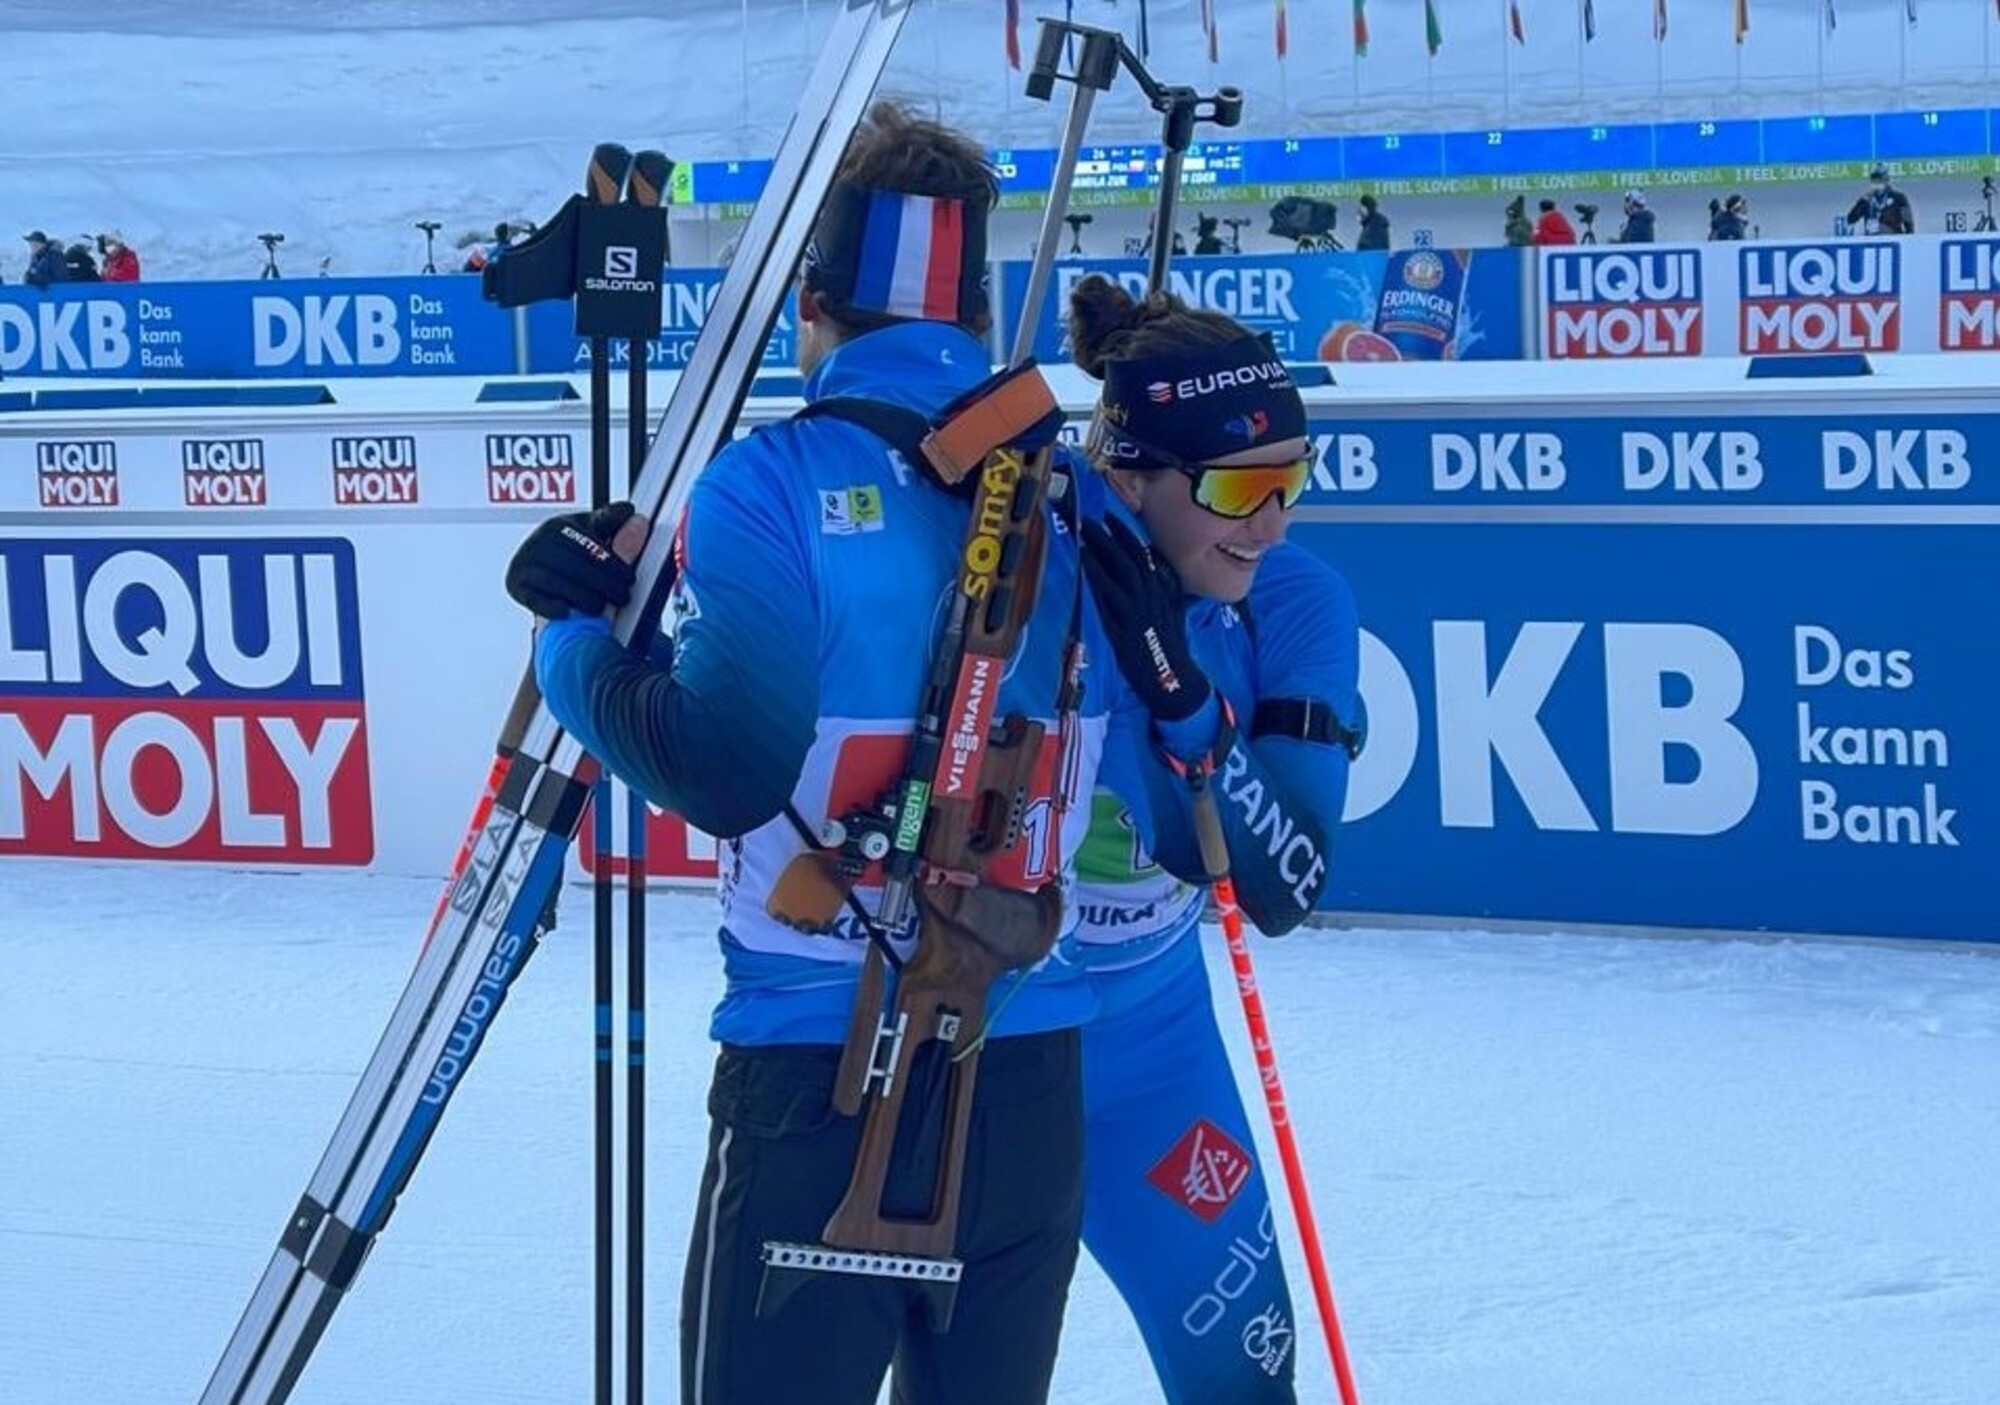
x=1281, y=781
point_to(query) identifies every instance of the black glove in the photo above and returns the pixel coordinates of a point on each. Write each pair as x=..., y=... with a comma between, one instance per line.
x=567, y=564
x=1144, y=613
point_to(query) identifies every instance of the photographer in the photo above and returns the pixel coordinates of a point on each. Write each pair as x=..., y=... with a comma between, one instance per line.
x=1517, y=231
x=1883, y=210
x=1638, y=227
x=1374, y=226
x=1729, y=219
x=1552, y=227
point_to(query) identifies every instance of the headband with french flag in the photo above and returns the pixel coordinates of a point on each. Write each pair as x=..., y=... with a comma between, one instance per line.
x=899, y=255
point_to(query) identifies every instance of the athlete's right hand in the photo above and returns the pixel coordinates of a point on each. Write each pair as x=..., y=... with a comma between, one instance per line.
x=579, y=562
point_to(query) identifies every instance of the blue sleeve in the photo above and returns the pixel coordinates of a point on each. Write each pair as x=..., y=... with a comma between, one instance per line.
x=718, y=728
x=1279, y=797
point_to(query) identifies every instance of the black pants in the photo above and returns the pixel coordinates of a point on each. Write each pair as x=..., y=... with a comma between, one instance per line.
x=779, y=1160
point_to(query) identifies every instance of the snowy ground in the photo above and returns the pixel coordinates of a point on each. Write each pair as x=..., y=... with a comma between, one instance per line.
x=1554, y=1169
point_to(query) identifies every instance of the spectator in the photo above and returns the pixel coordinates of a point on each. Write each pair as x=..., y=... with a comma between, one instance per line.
x=1374, y=226
x=121, y=262
x=45, y=262
x=1553, y=227
x=1638, y=226
x=482, y=254
x=82, y=267
x=1730, y=219
x=1884, y=209
x=1519, y=233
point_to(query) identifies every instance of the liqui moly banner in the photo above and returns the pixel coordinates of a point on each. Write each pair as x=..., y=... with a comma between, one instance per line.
x=183, y=699
x=1969, y=295
x=1875, y=296
x=1837, y=296
x=1622, y=302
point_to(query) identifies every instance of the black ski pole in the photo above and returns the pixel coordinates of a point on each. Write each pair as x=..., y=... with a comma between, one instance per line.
x=651, y=171
x=610, y=168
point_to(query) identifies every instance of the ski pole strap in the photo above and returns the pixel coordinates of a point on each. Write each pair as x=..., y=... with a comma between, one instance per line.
x=1197, y=772
x=1307, y=720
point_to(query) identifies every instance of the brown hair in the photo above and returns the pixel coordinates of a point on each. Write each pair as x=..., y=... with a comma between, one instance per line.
x=1108, y=324
x=894, y=149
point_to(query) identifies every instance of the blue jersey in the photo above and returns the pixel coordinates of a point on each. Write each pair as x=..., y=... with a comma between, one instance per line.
x=815, y=573
x=1296, y=638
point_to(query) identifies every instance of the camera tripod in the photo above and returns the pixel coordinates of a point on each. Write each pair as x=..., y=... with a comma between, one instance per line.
x=270, y=243
x=1984, y=224
x=430, y=229
x=1588, y=214
x=1076, y=224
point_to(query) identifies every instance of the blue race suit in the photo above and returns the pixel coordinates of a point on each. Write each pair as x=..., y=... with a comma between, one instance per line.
x=1176, y=1209
x=814, y=575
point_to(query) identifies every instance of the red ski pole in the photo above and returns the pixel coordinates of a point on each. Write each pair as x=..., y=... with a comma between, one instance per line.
x=1215, y=860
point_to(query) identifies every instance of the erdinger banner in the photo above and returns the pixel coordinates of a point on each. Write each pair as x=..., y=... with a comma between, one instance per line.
x=1413, y=305
x=182, y=699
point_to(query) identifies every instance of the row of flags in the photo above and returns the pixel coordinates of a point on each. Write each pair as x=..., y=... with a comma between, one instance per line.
x=1433, y=27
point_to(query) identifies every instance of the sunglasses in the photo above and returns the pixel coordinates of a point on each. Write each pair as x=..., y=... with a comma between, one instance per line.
x=1235, y=491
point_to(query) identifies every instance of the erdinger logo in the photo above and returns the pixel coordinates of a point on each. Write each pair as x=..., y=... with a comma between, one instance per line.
x=77, y=473
x=1423, y=271
x=183, y=699
x=223, y=472
x=1969, y=301
x=530, y=468
x=1821, y=297
x=1204, y=1170
x=1623, y=304
x=374, y=470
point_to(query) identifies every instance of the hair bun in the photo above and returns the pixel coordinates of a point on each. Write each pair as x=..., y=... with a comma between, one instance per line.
x=1100, y=313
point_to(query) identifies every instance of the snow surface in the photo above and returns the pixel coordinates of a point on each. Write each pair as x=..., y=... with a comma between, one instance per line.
x=1555, y=1169
x=193, y=125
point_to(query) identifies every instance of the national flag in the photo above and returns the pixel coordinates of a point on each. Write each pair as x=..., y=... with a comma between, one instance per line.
x=1433, y=31
x=1660, y=20
x=912, y=256
x=1514, y=22
x=1361, y=28
x=1282, y=38
x=1742, y=20
x=1013, y=33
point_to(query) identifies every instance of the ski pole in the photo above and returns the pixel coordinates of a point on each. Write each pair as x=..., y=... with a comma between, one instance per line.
x=1215, y=861
x=646, y=187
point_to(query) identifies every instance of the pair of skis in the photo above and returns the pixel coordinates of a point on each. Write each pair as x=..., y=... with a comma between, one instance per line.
x=515, y=853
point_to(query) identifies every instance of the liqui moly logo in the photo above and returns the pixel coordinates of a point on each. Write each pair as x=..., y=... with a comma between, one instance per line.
x=77, y=472
x=1820, y=297
x=530, y=468
x=1622, y=304
x=374, y=470
x=1204, y=1171
x=1969, y=295
x=183, y=699
x=223, y=472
